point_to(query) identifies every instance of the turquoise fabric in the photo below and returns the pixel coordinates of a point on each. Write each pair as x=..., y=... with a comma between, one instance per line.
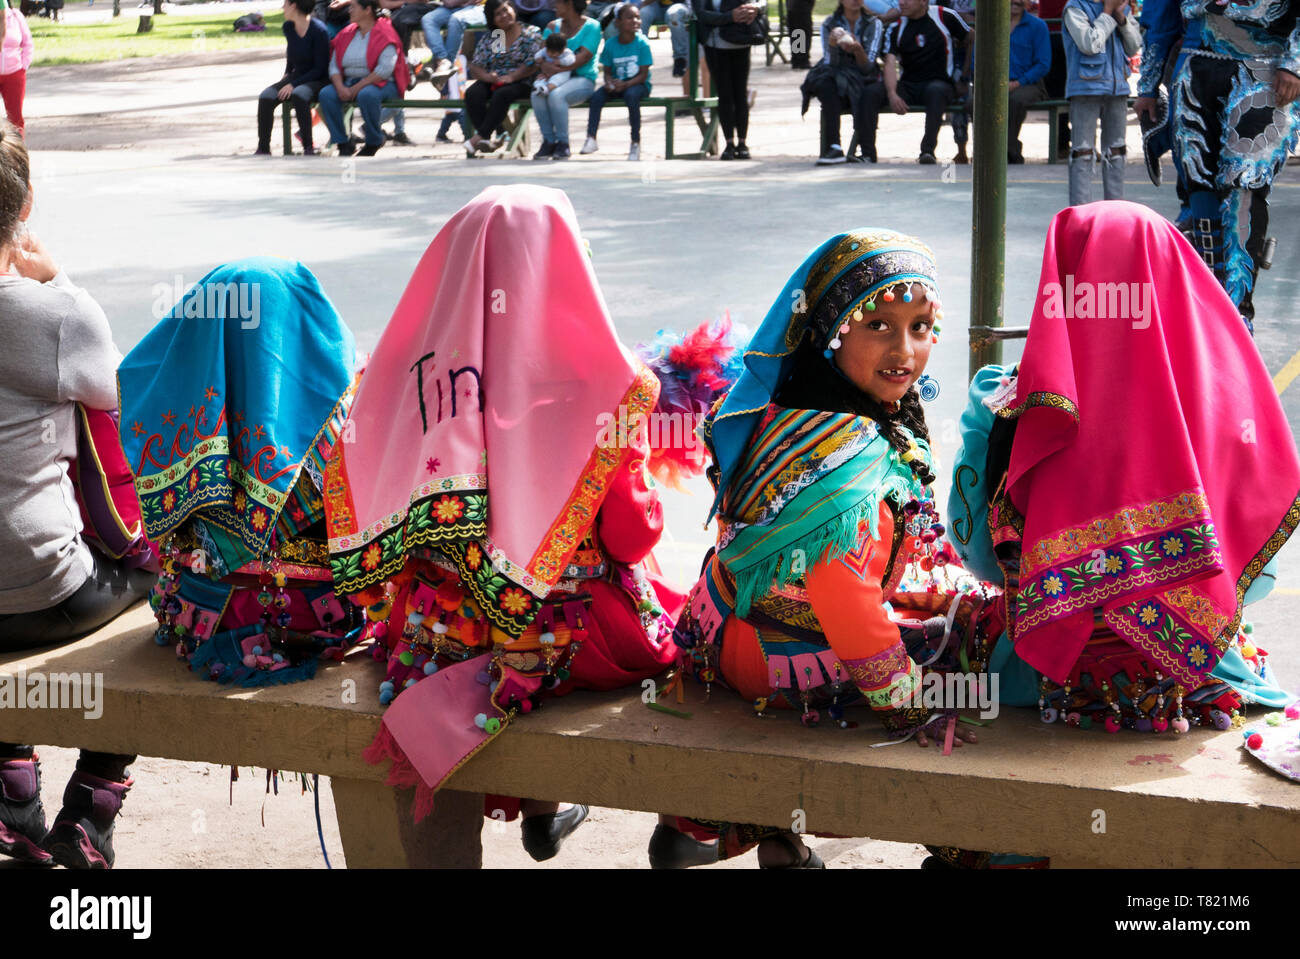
x=588, y=36
x=625, y=60
x=968, y=528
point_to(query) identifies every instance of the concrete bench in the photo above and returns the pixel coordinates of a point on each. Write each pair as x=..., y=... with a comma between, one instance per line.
x=1167, y=801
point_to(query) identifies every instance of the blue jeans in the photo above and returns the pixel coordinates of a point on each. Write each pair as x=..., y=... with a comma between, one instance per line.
x=454, y=21
x=367, y=101
x=552, y=110
x=631, y=96
x=676, y=16
x=538, y=18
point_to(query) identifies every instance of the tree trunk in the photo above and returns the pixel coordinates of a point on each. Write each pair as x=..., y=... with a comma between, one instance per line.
x=157, y=7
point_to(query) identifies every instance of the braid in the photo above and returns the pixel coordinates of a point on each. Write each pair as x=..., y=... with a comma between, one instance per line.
x=811, y=386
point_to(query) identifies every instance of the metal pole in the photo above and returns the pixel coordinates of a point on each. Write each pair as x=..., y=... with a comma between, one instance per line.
x=989, y=176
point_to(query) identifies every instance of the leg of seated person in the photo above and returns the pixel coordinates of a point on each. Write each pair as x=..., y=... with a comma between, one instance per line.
x=867, y=118
x=828, y=96
x=499, y=105
x=936, y=97
x=572, y=91
x=542, y=111
x=432, y=24
x=368, y=102
x=460, y=21
x=633, y=96
x=476, y=105
x=678, y=16
x=331, y=111
x=1018, y=103
x=594, y=108
x=267, y=101
x=302, y=98
x=110, y=590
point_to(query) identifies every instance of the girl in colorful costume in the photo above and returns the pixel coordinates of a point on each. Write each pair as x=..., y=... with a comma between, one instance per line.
x=230, y=408
x=1129, y=543
x=821, y=464
x=491, y=514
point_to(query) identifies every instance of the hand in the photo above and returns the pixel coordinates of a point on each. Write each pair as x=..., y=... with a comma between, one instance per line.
x=1145, y=107
x=963, y=735
x=285, y=92
x=610, y=85
x=348, y=94
x=1287, y=86
x=848, y=42
x=898, y=104
x=1012, y=85
x=744, y=14
x=32, y=260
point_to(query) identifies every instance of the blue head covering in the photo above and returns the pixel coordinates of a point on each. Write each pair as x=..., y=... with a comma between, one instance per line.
x=223, y=401
x=874, y=261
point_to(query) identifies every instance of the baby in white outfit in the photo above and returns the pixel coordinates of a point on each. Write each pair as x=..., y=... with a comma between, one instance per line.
x=556, y=51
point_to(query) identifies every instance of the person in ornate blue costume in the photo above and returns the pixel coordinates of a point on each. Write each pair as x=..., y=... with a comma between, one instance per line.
x=1233, y=71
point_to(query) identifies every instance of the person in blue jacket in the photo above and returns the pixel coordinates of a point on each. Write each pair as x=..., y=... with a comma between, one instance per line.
x=1031, y=58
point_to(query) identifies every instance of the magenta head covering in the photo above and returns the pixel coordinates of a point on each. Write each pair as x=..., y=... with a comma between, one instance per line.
x=1152, y=461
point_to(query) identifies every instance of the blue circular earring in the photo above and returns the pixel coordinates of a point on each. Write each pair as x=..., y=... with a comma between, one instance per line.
x=928, y=387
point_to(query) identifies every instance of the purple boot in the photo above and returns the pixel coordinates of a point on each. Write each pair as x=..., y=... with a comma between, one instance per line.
x=82, y=834
x=22, y=817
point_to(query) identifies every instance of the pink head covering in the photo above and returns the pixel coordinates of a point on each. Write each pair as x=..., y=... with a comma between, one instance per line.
x=1152, y=461
x=475, y=425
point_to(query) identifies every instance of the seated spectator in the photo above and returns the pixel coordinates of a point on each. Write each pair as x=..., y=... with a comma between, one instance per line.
x=851, y=42
x=676, y=16
x=367, y=67
x=55, y=587
x=454, y=16
x=1031, y=58
x=557, y=53
x=626, y=58
x=502, y=69
x=929, y=41
x=582, y=35
x=538, y=13
x=306, y=70
x=335, y=14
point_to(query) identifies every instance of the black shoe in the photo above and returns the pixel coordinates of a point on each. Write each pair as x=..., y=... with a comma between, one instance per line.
x=82, y=835
x=262, y=152
x=831, y=155
x=443, y=138
x=670, y=849
x=402, y=139
x=926, y=159
x=742, y=151
x=561, y=152
x=729, y=153
x=543, y=835
x=369, y=150
x=800, y=63
x=806, y=858
x=1016, y=159
x=679, y=66
x=22, y=817
x=545, y=151
x=347, y=149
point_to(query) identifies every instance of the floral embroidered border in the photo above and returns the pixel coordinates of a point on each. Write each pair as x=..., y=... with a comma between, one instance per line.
x=1065, y=589
x=1106, y=531
x=1170, y=640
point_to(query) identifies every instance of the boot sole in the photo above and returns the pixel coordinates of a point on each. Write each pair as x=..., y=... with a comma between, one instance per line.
x=17, y=846
x=72, y=849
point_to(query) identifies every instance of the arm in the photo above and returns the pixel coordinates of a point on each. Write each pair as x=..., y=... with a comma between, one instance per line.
x=1042, y=61
x=384, y=67
x=1089, y=37
x=1162, y=29
x=891, y=84
x=88, y=360
x=1129, y=35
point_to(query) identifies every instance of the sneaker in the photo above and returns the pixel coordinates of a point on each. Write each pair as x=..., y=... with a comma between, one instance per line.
x=22, y=817
x=369, y=150
x=831, y=155
x=742, y=151
x=443, y=138
x=347, y=149
x=402, y=139
x=635, y=152
x=729, y=153
x=82, y=834
x=679, y=66
x=926, y=159
x=441, y=71
x=545, y=151
x=589, y=147
x=561, y=151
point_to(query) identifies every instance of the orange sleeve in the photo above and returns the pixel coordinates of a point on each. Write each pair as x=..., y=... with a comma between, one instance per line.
x=847, y=598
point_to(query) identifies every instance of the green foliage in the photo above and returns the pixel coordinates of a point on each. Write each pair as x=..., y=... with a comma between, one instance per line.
x=63, y=42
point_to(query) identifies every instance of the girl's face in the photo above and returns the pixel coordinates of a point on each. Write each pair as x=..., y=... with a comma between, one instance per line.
x=505, y=17
x=629, y=20
x=887, y=351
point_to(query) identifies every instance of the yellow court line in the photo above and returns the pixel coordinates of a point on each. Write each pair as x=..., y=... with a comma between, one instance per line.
x=1287, y=374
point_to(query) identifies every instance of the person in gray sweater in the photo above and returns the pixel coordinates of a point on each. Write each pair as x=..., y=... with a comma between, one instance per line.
x=54, y=587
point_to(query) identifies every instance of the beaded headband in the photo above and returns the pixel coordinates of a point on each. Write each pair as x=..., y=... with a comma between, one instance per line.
x=900, y=262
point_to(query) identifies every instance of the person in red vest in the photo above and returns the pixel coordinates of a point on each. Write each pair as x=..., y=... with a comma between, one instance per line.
x=367, y=66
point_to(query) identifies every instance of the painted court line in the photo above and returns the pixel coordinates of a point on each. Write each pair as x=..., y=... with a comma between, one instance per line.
x=1287, y=374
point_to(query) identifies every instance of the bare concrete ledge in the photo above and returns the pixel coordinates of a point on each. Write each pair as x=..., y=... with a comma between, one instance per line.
x=1164, y=801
